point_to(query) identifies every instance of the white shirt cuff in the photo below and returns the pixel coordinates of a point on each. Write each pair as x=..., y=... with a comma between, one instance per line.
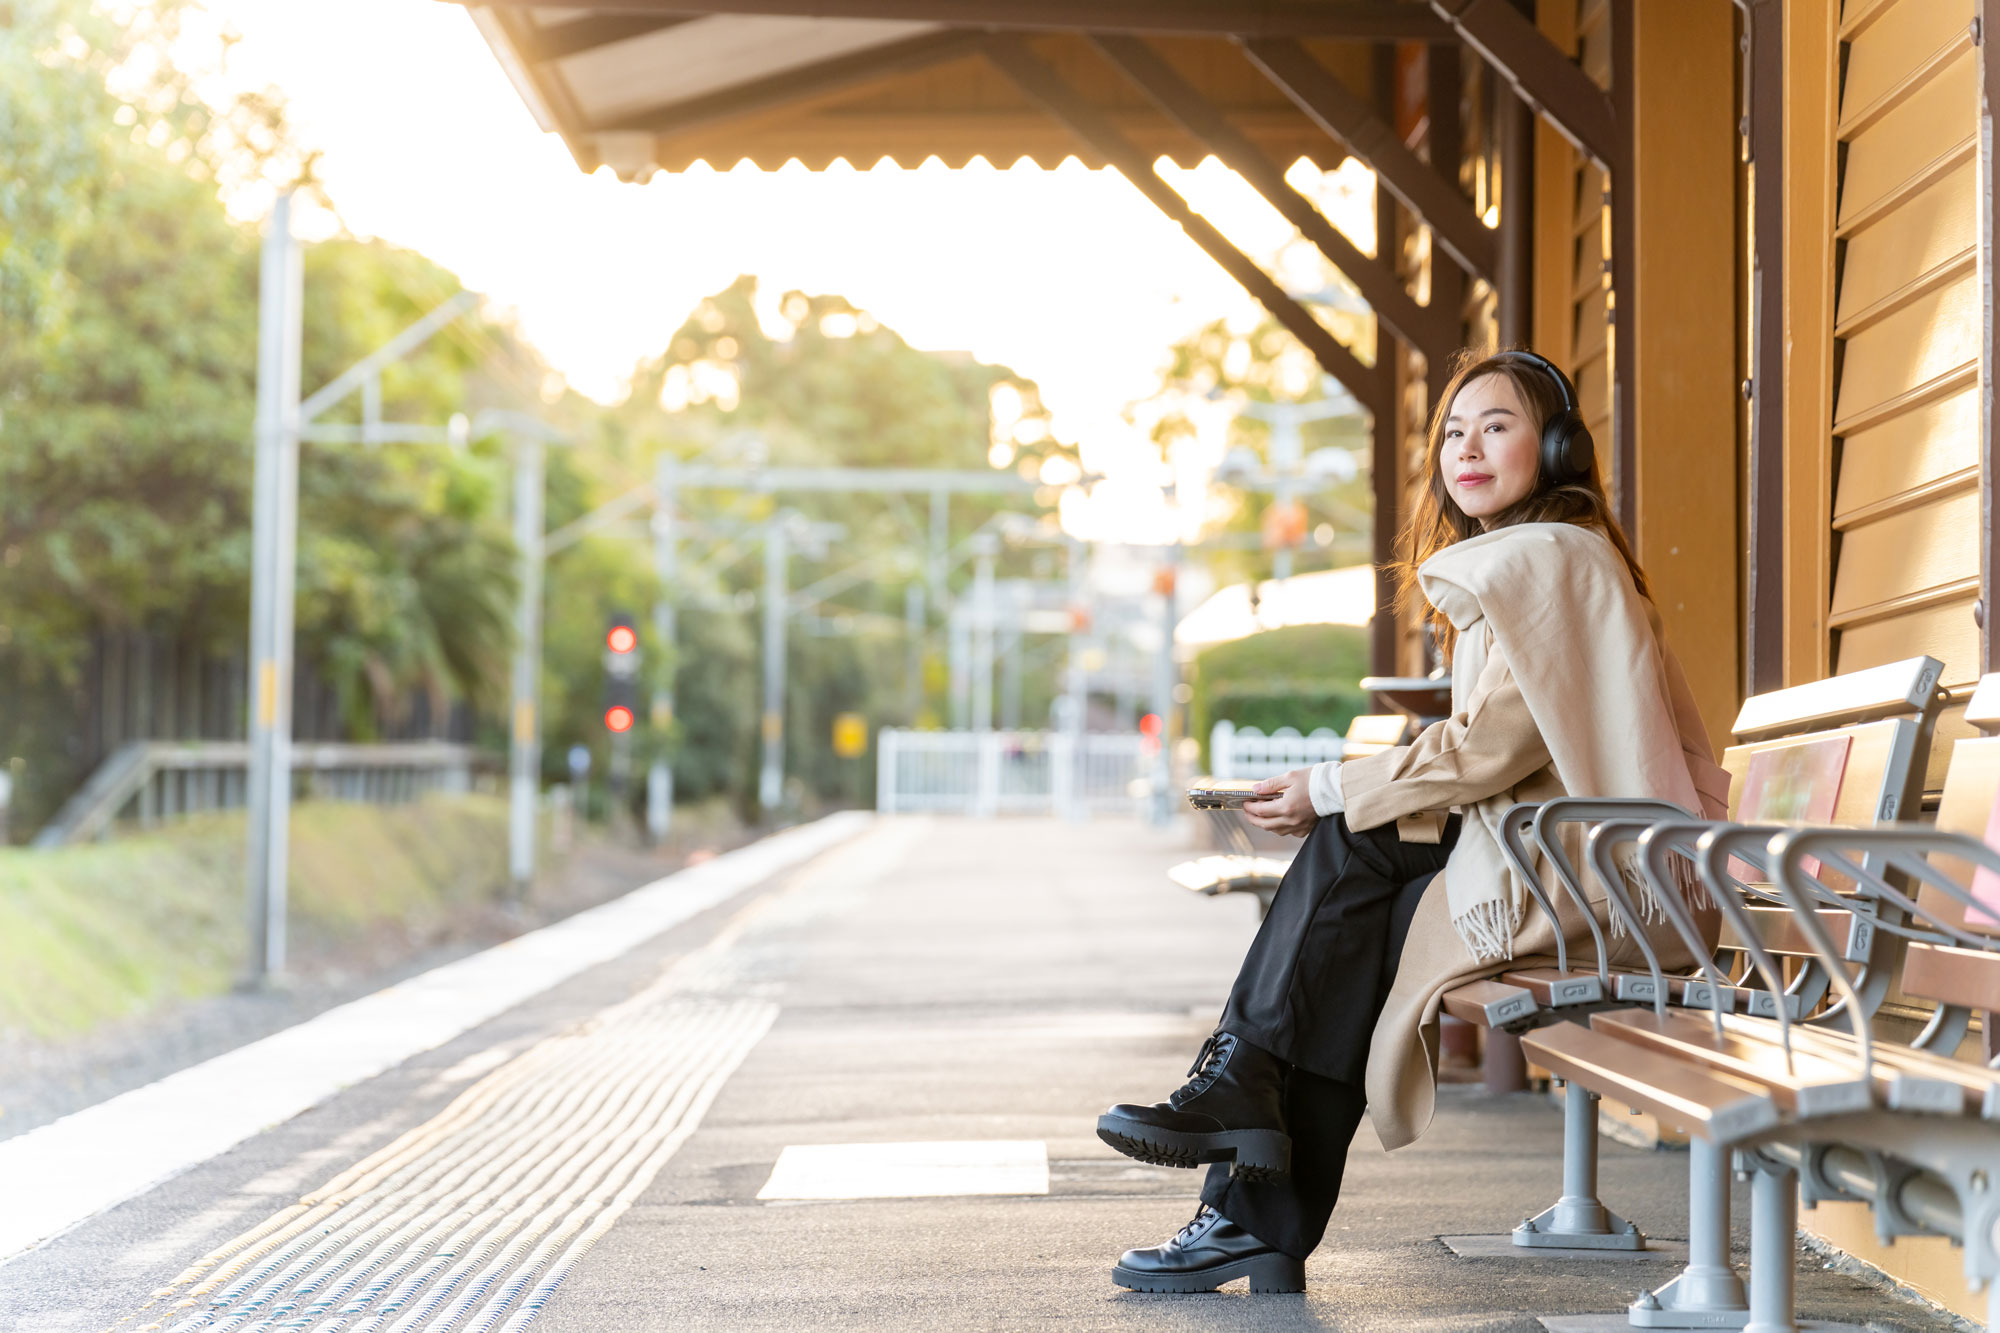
x=1324, y=788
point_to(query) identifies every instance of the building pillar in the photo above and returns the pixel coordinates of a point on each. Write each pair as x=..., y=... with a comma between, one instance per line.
x=1682, y=320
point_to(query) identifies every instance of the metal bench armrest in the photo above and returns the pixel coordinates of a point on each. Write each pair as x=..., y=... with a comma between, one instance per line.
x=1599, y=846
x=1900, y=849
x=1515, y=823
x=1591, y=810
x=1657, y=846
x=1786, y=855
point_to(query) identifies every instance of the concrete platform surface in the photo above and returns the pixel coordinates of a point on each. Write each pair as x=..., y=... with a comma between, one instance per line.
x=934, y=1011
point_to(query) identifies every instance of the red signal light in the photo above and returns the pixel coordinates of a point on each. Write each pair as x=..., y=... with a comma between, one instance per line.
x=1150, y=724
x=621, y=639
x=618, y=718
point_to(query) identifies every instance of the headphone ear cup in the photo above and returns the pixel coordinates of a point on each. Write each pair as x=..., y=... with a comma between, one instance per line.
x=1568, y=451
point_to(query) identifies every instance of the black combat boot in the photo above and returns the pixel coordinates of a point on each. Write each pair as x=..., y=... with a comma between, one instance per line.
x=1206, y=1253
x=1230, y=1110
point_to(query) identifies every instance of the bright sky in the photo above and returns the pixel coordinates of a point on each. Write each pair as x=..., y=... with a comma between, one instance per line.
x=1068, y=276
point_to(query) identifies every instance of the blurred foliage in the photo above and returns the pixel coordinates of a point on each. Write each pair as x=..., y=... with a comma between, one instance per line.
x=128, y=330
x=1301, y=676
x=809, y=381
x=128, y=327
x=1221, y=369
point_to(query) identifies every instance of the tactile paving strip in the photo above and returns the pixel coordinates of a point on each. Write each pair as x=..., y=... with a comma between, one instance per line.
x=473, y=1219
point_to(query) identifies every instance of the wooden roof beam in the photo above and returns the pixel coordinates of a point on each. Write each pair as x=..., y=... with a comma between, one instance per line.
x=1011, y=55
x=1347, y=118
x=796, y=86
x=1355, y=20
x=537, y=46
x=1543, y=77
x=1430, y=331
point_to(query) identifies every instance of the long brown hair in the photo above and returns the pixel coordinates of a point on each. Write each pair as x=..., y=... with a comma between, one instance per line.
x=1438, y=522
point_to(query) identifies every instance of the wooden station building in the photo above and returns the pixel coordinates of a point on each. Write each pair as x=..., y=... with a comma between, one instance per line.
x=1759, y=234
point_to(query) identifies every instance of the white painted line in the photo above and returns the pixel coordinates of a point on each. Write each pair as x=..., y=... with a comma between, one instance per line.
x=909, y=1170
x=58, y=1175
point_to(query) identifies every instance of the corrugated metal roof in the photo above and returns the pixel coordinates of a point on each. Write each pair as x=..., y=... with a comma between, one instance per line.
x=646, y=91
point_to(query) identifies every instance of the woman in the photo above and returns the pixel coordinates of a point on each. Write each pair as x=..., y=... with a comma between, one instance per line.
x=1561, y=684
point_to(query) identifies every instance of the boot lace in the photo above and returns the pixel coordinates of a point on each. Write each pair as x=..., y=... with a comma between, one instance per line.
x=1201, y=1058
x=1196, y=1225
x=1207, y=1067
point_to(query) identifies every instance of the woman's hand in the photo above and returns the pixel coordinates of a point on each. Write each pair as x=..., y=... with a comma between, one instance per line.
x=1284, y=804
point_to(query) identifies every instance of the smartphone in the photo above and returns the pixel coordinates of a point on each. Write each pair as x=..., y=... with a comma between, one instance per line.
x=1221, y=793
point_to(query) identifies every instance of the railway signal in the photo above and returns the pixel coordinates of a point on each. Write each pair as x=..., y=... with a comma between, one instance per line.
x=621, y=675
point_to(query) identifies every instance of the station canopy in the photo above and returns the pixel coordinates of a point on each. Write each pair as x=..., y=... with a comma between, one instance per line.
x=645, y=87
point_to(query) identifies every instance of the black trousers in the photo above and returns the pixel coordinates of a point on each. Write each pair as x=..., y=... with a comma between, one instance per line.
x=1309, y=992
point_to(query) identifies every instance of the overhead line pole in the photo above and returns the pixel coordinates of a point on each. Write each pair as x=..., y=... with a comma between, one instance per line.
x=283, y=420
x=1078, y=690
x=524, y=750
x=982, y=633
x=666, y=569
x=771, y=775
x=274, y=560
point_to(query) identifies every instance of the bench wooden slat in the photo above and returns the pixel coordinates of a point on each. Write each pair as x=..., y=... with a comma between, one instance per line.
x=1779, y=932
x=1705, y=1102
x=1489, y=1003
x=1898, y=688
x=1982, y=710
x=1970, y=784
x=1967, y=977
x=1229, y=874
x=1553, y=989
x=1813, y=1085
x=1977, y=1089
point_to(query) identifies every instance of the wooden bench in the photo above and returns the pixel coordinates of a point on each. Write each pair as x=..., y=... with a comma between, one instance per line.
x=1883, y=715
x=1826, y=1113
x=1237, y=867
x=1901, y=1126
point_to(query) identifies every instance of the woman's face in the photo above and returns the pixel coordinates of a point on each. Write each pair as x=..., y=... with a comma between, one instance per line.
x=1491, y=450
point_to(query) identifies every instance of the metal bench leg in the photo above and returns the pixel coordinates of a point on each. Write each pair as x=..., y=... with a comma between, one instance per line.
x=1578, y=1221
x=1707, y=1293
x=1774, y=1224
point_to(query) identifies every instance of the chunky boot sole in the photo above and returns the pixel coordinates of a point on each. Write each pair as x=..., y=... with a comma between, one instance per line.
x=1253, y=1154
x=1267, y=1272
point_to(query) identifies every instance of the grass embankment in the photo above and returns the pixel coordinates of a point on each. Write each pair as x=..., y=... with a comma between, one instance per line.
x=115, y=929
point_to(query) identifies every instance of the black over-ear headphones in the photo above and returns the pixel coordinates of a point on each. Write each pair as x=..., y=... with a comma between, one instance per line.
x=1568, y=452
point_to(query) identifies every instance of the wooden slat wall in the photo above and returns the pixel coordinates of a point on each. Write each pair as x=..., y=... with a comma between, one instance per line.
x=1906, y=327
x=1572, y=308
x=1590, y=347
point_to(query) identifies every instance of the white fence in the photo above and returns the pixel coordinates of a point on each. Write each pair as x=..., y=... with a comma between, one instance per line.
x=1245, y=752
x=1011, y=772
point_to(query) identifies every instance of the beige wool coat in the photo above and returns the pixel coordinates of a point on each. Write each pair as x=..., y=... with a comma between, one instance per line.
x=1494, y=751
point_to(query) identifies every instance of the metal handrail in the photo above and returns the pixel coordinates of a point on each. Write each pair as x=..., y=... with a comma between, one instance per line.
x=127, y=771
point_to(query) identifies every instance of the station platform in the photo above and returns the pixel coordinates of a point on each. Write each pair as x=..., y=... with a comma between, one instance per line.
x=855, y=1093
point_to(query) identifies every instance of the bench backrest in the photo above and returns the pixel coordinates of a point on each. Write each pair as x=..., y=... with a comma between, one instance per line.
x=1971, y=784
x=1372, y=733
x=1947, y=974
x=1792, y=740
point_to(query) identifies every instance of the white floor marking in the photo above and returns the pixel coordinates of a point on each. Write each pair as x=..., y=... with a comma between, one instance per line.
x=58, y=1175
x=909, y=1170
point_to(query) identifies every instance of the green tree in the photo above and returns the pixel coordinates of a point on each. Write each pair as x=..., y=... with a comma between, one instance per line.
x=128, y=308
x=832, y=387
